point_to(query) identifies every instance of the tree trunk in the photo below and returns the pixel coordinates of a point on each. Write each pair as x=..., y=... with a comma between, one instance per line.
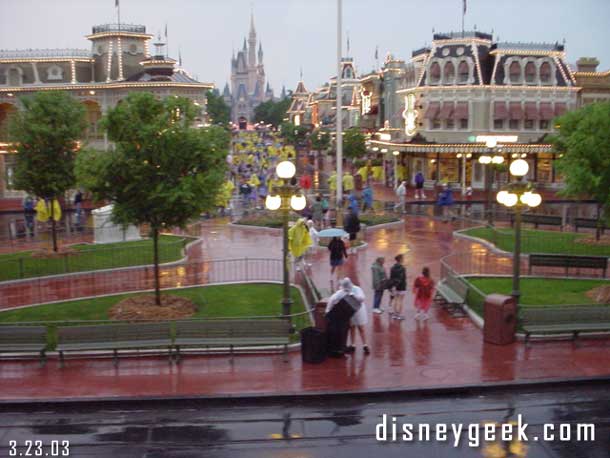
x=155, y=234
x=53, y=229
x=598, y=229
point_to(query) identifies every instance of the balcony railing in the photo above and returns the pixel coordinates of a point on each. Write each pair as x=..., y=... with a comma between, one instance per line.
x=119, y=27
x=43, y=53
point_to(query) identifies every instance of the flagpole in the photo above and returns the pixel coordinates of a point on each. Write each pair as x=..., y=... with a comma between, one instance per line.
x=339, y=121
x=463, y=14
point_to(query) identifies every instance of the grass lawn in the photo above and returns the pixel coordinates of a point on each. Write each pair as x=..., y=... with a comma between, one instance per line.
x=91, y=257
x=254, y=299
x=535, y=241
x=535, y=291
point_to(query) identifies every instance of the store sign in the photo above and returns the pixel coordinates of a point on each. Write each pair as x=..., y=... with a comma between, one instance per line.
x=410, y=115
x=366, y=101
x=497, y=138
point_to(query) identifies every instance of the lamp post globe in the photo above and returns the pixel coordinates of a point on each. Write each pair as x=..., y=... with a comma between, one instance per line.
x=501, y=196
x=510, y=199
x=285, y=170
x=298, y=202
x=519, y=168
x=273, y=202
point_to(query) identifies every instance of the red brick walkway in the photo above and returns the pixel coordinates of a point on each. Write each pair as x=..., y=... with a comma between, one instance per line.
x=441, y=352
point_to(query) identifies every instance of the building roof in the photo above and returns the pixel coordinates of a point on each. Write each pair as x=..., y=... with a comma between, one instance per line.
x=300, y=90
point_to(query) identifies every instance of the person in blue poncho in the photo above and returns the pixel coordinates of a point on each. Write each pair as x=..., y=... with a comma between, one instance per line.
x=445, y=202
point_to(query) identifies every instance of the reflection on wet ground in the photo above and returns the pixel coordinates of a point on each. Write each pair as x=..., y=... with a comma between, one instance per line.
x=320, y=427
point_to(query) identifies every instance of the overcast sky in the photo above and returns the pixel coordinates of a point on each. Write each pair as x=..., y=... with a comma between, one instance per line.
x=302, y=33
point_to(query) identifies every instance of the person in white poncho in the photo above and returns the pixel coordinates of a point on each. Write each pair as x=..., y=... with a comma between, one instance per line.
x=360, y=318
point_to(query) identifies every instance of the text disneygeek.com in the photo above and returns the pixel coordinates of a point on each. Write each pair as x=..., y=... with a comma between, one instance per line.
x=391, y=430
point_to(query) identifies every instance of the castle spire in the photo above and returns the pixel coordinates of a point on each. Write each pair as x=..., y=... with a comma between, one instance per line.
x=260, y=53
x=252, y=28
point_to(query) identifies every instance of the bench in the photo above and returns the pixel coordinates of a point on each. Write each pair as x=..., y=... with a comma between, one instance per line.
x=452, y=291
x=567, y=261
x=115, y=337
x=588, y=223
x=573, y=320
x=536, y=220
x=232, y=333
x=18, y=339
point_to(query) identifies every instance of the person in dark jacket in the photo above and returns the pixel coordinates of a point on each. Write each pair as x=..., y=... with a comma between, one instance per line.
x=352, y=224
x=398, y=277
x=337, y=254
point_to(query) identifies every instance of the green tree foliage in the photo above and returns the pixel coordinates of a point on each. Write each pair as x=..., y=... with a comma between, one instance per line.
x=271, y=112
x=163, y=172
x=354, y=146
x=583, y=141
x=218, y=111
x=320, y=140
x=46, y=132
x=295, y=135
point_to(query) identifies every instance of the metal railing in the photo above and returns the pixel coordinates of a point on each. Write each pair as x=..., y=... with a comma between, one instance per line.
x=44, y=53
x=118, y=27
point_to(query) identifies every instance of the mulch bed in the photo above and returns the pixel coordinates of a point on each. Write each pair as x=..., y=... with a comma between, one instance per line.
x=144, y=308
x=47, y=253
x=604, y=240
x=601, y=294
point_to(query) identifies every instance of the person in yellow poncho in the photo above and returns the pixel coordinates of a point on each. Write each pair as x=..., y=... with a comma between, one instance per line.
x=332, y=182
x=223, y=198
x=273, y=183
x=43, y=210
x=363, y=172
x=348, y=183
x=299, y=240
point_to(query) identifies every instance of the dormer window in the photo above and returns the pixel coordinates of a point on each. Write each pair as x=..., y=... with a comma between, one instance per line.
x=514, y=72
x=435, y=72
x=530, y=72
x=463, y=72
x=449, y=73
x=545, y=72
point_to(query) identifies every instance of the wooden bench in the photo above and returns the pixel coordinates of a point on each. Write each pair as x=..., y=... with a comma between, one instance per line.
x=567, y=261
x=537, y=220
x=18, y=339
x=115, y=337
x=232, y=333
x=588, y=223
x=452, y=291
x=573, y=320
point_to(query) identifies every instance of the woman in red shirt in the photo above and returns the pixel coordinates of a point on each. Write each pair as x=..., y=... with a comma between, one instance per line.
x=423, y=288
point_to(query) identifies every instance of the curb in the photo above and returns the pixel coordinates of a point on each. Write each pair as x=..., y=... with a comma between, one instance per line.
x=369, y=394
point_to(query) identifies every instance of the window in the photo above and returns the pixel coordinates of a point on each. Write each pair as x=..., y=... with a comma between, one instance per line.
x=498, y=124
x=54, y=72
x=435, y=72
x=463, y=72
x=545, y=72
x=464, y=124
x=513, y=124
x=514, y=71
x=449, y=72
x=544, y=124
x=435, y=124
x=528, y=124
x=15, y=77
x=450, y=124
x=530, y=72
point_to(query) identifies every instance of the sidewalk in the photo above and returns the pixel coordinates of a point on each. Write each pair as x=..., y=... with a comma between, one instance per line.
x=441, y=352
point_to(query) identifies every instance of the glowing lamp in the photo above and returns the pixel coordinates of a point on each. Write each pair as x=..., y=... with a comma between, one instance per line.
x=298, y=202
x=395, y=153
x=485, y=159
x=501, y=197
x=510, y=200
x=519, y=168
x=491, y=142
x=497, y=159
x=534, y=199
x=285, y=170
x=273, y=202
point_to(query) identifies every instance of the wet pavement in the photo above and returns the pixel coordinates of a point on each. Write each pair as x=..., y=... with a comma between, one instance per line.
x=322, y=427
x=443, y=351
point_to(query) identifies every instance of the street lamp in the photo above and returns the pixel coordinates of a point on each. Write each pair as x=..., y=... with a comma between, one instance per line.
x=519, y=195
x=286, y=197
x=487, y=159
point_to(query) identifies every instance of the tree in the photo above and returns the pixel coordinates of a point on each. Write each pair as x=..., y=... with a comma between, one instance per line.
x=293, y=134
x=46, y=132
x=583, y=143
x=354, y=145
x=218, y=111
x=271, y=112
x=163, y=172
x=320, y=140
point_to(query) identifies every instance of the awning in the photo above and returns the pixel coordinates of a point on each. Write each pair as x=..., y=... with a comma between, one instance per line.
x=446, y=111
x=531, y=112
x=560, y=109
x=515, y=110
x=546, y=111
x=461, y=111
x=500, y=111
x=432, y=110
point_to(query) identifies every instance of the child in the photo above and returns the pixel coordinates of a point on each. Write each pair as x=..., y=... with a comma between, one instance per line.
x=423, y=288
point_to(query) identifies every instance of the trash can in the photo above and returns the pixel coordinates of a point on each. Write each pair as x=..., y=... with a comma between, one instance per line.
x=313, y=345
x=500, y=314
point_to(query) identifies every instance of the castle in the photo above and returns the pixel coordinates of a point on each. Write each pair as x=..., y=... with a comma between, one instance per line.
x=247, y=80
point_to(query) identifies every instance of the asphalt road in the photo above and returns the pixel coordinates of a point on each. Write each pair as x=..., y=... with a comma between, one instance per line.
x=303, y=428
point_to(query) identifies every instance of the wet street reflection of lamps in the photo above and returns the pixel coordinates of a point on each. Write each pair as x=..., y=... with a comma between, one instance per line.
x=286, y=197
x=395, y=154
x=519, y=195
x=493, y=160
